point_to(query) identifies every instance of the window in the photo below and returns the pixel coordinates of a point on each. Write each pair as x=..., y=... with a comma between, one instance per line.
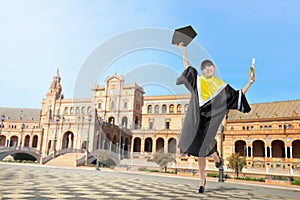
x=71, y=110
x=171, y=108
x=164, y=108
x=99, y=105
x=77, y=110
x=156, y=109
x=150, y=125
x=83, y=110
x=149, y=109
x=167, y=125
x=112, y=105
x=125, y=105
x=66, y=110
x=178, y=108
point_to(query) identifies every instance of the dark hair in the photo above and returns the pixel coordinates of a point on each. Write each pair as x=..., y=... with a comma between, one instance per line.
x=206, y=63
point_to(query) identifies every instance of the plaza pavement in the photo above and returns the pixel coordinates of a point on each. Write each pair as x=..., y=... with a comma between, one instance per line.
x=28, y=181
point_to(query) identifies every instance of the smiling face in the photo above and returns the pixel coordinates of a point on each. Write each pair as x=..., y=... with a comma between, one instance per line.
x=208, y=70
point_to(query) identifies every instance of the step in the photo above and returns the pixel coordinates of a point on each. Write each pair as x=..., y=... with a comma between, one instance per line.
x=65, y=160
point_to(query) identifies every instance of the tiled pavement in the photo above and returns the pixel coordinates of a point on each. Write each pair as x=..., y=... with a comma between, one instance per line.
x=36, y=182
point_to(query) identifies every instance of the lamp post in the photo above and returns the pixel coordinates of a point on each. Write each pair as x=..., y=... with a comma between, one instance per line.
x=88, y=136
x=57, y=118
x=221, y=169
x=120, y=145
x=2, y=120
x=22, y=129
x=99, y=145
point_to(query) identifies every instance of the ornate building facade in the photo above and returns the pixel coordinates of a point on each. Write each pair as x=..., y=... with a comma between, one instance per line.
x=119, y=118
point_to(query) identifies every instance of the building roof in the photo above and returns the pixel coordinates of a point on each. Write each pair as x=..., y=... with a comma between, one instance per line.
x=280, y=109
x=25, y=114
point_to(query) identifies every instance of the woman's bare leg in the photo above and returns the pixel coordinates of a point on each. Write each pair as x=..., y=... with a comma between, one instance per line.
x=202, y=164
x=215, y=157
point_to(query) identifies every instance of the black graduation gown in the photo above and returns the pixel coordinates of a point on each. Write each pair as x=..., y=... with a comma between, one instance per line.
x=201, y=123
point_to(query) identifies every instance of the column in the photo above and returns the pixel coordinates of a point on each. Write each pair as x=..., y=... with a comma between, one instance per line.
x=165, y=146
x=291, y=151
x=110, y=145
x=251, y=151
x=285, y=149
x=270, y=151
x=266, y=151
x=154, y=146
x=247, y=151
x=142, y=146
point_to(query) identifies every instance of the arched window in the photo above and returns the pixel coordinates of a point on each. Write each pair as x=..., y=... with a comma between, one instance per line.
x=179, y=108
x=112, y=105
x=66, y=110
x=149, y=109
x=156, y=109
x=164, y=108
x=83, y=110
x=71, y=110
x=77, y=110
x=99, y=105
x=171, y=108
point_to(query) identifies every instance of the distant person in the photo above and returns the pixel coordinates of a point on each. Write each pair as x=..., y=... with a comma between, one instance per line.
x=210, y=100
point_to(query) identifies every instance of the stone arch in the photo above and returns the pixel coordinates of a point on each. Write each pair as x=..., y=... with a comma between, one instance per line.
x=13, y=141
x=179, y=108
x=27, y=141
x=149, y=109
x=258, y=148
x=172, y=143
x=35, y=141
x=2, y=140
x=111, y=120
x=240, y=147
x=148, y=144
x=68, y=140
x=137, y=144
x=160, y=144
x=125, y=122
x=278, y=149
x=296, y=149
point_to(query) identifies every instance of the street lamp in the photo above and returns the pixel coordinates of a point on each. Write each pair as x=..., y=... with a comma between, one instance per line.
x=221, y=169
x=88, y=136
x=57, y=118
x=120, y=145
x=2, y=120
x=99, y=144
x=22, y=128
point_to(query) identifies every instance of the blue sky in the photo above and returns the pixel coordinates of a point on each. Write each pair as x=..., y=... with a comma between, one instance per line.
x=37, y=37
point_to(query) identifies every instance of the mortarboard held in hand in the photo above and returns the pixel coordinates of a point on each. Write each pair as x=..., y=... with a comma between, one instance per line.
x=185, y=35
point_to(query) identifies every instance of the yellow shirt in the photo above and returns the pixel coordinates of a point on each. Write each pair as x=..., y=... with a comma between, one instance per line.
x=209, y=87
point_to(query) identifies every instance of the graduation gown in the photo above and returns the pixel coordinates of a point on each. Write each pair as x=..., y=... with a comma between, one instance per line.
x=201, y=122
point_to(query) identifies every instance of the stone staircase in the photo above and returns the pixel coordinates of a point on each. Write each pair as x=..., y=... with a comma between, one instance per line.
x=65, y=160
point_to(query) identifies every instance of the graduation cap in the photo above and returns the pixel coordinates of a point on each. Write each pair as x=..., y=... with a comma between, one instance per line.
x=185, y=34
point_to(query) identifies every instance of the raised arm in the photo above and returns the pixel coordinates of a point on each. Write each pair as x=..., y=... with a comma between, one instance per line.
x=184, y=56
x=250, y=81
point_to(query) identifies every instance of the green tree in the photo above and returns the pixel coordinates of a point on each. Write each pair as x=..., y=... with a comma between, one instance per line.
x=163, y=159
x=236, y=162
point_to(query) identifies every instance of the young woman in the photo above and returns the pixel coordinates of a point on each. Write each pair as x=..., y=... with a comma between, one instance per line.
x=210, y=100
